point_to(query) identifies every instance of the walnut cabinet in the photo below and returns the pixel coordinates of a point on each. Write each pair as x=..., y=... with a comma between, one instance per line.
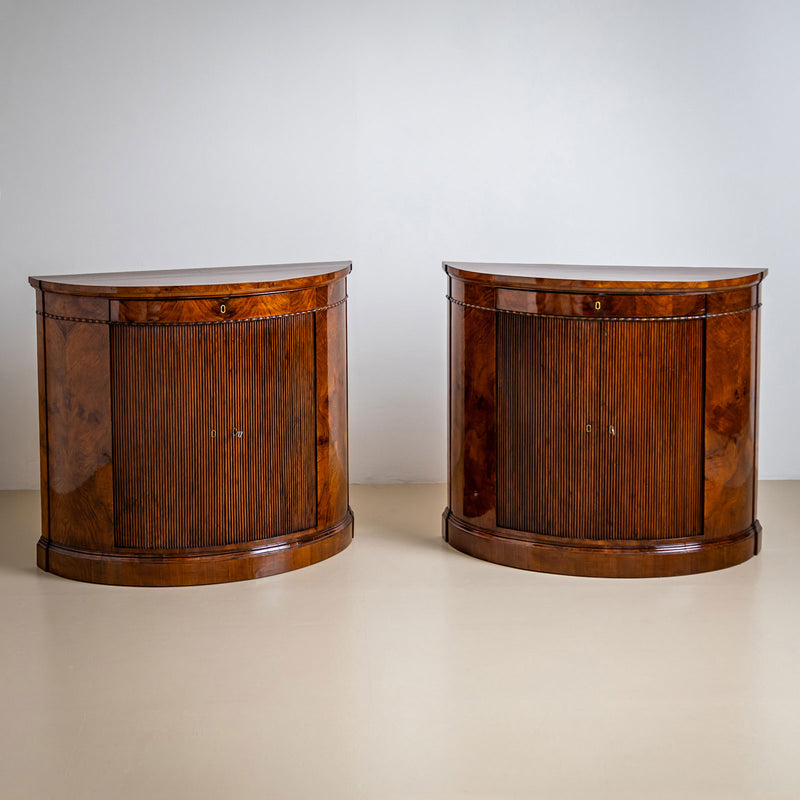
x=603, y=420
x=193, y=423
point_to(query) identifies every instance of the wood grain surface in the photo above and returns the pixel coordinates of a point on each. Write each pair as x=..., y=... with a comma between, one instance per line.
x=194, y=440
x=200, y=282
x=623, y=424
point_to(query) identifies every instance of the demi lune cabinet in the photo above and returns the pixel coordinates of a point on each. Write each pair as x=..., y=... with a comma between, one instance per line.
x=193, y=423
x=603, y=420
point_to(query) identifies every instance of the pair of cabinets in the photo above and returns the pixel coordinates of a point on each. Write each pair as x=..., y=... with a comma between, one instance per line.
x=193, y=423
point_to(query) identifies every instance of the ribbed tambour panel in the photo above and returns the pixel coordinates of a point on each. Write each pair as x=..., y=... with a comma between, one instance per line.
x=600, y=427
x=183, y=478
x=547, y=374
x=651, y=480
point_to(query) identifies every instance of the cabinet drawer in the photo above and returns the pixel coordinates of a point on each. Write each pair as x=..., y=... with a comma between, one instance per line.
x=600, y=305
x=213, y=309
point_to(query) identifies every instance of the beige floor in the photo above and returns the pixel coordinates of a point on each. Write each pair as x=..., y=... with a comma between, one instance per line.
x=403, y=669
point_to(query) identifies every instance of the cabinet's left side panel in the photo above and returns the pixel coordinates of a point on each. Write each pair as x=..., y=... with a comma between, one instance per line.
x=472, y=405
x=41, y=361
x=75, y=425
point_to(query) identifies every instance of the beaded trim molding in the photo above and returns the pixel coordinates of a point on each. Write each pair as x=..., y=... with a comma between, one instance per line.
x=605, y=319
x=195, y=322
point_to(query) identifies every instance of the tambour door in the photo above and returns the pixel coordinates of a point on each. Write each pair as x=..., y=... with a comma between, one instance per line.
x=600, y=427
x=651, y=429
x=213, y=432
x=548, y=370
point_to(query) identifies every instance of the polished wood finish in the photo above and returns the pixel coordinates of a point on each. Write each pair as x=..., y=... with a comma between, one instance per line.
x=597, y=431
x=620, y=280
x=206, y=309
x=184, y=477
x=730, y=421
x=331, y=410
x=473, y=489
x=549, y=370
x=79, y=439
x=193, y=439
x=600, y=305
x=645, y=561
x=202, y=282
x=651, y=395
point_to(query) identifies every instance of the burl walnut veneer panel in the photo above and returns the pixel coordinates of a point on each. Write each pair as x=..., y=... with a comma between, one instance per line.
x=603, y=428
x=192, y=432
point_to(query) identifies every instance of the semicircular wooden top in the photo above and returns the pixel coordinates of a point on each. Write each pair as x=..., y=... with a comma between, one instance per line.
x=200, y=282
x=585, y=278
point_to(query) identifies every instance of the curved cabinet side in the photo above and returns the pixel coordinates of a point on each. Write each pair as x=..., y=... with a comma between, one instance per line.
x=44, y=481
x=332, y=435
x=473, y=437
x=730, y=423
x=78, y=432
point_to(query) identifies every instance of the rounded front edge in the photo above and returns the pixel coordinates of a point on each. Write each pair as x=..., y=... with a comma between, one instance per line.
x=651, y=560
x=260, y=561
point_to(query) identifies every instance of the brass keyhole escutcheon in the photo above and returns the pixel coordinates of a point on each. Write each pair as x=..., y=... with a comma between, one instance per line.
x=213, y=433
x=222, y=308
x=588, y=429
x=597, y=305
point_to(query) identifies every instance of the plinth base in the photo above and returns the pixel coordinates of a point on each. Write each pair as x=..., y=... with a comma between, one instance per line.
x=257, y=561
x=640, y=560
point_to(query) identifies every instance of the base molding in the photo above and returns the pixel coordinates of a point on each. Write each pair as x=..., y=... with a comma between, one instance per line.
x=652, y=559
x=258, y=561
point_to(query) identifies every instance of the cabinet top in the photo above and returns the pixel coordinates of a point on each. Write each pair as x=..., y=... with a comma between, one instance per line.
x=579, y=278
x=204, y=281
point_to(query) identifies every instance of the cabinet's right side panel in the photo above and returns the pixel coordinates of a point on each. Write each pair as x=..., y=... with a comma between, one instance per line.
x=730, y=419
x=331, y=406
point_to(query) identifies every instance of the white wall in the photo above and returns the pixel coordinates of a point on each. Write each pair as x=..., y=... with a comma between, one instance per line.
x=164, y=133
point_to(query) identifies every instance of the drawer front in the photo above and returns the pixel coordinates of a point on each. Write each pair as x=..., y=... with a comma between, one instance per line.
x=213, y=309
x=600, y=305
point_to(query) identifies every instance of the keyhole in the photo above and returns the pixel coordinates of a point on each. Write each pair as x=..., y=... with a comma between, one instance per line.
x=597, y=305
x=222, y=308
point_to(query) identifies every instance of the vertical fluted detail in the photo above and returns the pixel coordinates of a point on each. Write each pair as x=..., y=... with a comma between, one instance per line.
x=547, y=459
x=178, y=486
x=652, y=394
x=643, y=379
